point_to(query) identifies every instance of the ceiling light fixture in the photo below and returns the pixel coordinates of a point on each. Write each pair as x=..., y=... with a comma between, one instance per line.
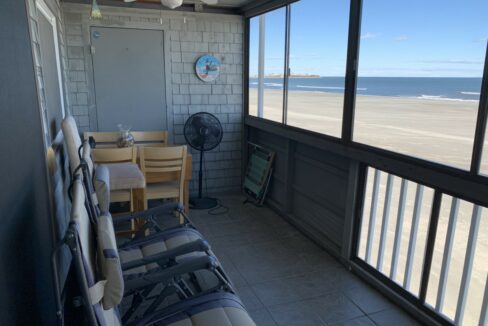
x=95, y=11
x=172, y=4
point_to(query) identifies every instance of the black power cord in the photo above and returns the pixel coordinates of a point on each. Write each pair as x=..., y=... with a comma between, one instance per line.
x=219, y=209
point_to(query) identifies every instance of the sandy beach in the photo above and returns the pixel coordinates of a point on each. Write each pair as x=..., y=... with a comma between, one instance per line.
x=437, y=130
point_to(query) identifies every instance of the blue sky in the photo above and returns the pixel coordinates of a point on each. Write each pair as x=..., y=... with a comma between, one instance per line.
x=424, y=38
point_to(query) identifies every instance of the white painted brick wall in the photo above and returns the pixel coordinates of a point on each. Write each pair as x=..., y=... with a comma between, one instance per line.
x=219, y=35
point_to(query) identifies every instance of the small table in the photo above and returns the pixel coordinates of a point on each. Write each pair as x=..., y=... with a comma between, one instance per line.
x=138, y=193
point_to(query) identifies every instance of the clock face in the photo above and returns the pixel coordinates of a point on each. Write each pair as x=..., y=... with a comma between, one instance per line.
x=207, y=68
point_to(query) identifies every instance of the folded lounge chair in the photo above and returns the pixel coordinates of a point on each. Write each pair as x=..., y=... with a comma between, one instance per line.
x=99, y=276
x=172, y=247
x=145, y=255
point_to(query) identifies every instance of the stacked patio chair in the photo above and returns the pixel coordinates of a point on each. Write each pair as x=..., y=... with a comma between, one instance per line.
x=159, y=266
x=178, y=240
x=99, y=275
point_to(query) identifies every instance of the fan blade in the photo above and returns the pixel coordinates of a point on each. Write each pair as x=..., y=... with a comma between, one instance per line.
x=210, y=2
x=198, y=124
x=213, y=131
x=130, y=0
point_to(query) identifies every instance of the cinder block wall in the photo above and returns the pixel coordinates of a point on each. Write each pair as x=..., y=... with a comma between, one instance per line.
x=187, y=37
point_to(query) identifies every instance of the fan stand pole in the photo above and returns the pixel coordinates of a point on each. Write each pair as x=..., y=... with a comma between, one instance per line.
x=202, y=202
x=200, y=175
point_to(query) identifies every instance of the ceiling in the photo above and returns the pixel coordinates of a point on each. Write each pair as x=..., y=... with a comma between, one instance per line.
x=224, y=3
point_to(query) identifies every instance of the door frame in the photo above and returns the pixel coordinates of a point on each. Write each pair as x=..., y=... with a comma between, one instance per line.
x=44, y=10
x=87, y=28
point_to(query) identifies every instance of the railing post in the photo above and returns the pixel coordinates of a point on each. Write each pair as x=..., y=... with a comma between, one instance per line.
x=484, y=307
x=354, y=182
x=372, y=214
x=398, y=229
x=446, y=258
x=429, y=247
x=413, y=236
x=468, y=264
x=385, y=222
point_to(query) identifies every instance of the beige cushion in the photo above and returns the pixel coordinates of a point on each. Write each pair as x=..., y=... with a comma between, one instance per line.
x=110, y=263
x=73, y=141
x=163, y=190
x=101, y=183
x=125, y=176
x=86, y=155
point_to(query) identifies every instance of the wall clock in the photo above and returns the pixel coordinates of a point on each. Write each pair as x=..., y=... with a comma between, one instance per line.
x=207, y=68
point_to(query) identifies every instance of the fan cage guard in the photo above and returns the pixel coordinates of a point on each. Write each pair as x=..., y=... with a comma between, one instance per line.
x=197, y=134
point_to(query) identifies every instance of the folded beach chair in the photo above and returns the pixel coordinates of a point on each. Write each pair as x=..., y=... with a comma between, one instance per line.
x=141, y=257
x=99, y=277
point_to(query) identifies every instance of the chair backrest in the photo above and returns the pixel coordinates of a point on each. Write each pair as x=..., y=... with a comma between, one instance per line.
x=141, y=138
x=73, y=141
x=150, y=138
x=115, y=155
x=161, y=160
x=86, y=155
x=84, y=249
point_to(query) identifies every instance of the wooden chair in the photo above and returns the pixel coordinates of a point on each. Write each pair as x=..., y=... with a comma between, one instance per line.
x=163, y=160
x=124, y=172
x=141, y=138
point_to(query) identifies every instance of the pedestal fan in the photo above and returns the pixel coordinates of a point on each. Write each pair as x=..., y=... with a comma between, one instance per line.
x=203, y=132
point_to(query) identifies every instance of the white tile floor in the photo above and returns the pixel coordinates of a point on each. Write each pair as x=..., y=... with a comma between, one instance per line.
x=284, y=278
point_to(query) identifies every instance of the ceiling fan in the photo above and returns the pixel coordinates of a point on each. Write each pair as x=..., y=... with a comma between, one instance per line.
x=172, y=4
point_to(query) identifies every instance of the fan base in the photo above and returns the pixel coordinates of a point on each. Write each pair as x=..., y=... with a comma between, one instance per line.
x=203, y=203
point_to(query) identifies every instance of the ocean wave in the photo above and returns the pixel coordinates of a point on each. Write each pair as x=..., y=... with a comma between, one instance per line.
x=470, y=93
x=273, y=84
x=441, y=98
x=328, y=87
x=268, y=84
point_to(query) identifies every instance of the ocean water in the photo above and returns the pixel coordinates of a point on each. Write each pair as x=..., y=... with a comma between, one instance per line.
x=455, y=89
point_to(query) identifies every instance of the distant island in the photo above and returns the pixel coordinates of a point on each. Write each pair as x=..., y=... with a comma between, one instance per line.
x=291, y=76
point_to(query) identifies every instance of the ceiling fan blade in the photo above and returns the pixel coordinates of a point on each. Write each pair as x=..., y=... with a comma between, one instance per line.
x=172, y=4
x=210, y=2
x=130, y=0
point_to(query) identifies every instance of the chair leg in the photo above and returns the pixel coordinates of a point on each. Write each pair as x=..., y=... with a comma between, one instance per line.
x=178, y=214
x=132, y=221
x=144, y=199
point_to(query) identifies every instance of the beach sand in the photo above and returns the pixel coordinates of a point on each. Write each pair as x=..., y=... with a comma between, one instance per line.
x=436, y=130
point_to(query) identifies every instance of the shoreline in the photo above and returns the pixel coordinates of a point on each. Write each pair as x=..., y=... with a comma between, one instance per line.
x=421, y=97
x=437, y=130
